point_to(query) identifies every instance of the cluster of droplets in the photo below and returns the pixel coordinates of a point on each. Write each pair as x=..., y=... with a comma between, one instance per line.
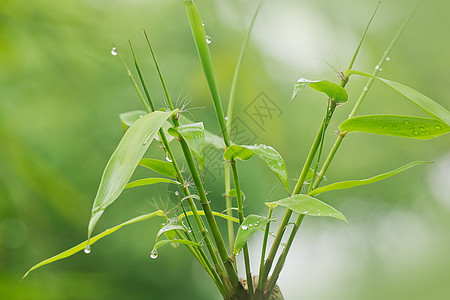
x=245, y=227
x=207, y=38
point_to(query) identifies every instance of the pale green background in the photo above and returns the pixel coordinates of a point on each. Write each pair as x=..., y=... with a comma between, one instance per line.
x=61, y=92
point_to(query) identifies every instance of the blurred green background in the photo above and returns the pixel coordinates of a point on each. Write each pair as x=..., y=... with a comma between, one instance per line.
x=61, y=93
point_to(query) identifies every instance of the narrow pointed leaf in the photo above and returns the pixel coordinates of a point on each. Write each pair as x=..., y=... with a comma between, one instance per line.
x=332, y=90
x=149, y=181
x=403, y=126
x=93, y=240
x=310, y=206
x=162, y=167
x=161, y=243
x=217, y=214
x=194, y=135
x=127, y=119
x=172, y=225
x=428, y=105
x=268, y=154
x=249, y=226
x=124, y=161
x=352, y=183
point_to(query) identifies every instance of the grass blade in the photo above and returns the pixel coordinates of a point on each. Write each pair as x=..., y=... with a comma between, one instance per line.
x=162, y=167
x=149, y=181
x=394, y=125
x=94, y=239
x=124, y=161
x=353, y=183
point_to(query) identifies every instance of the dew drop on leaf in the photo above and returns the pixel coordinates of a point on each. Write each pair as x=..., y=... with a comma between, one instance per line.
x=114, y=51
x=244, y=227
x=208, y=39
x=168, y=158
x=437, y=127
x=154, y=254
x=177, y=193
x=87, y=249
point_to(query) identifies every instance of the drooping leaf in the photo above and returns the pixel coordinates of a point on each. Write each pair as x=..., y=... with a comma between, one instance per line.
x=268, y=154
x=394, y=125
x=127, y=119
x=162, y=167
x=124, y=161
x=172, y=224
x=210, y=138
x=149, y=181
x=428, y=105
x=249, y=226
x=332, y=90
x=307, y=205
x=161, y=243
x=194, y=135
x=353, y=183
x=94, y=239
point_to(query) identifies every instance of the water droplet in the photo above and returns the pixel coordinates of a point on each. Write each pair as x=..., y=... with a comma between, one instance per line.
x=189, y=230
x=147, y=139
x=114, y=51
x=305, y=211
x=377, y=67
x=437, y=126
x=154, y=254
x=385, y=127
x=168, y=158
x=208, y=39
x=411, y=129
x=250, y=225
x=283, y=244
x=394, y=127
x=177, y=193
x=380, y=69
x=415, y=132
x=87, y=249
x=244, y=227
x=388, y=58
x=226, y=118
x=203, y=23
x=365, y=89
x=421, y=128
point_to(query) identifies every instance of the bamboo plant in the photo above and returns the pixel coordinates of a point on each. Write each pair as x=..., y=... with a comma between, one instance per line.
x=196, y=227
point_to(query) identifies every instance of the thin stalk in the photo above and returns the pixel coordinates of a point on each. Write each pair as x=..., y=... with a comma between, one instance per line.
x=260, y=289
x=363, y=95
x=229, y=206
x=222, y=251
x=180, y=178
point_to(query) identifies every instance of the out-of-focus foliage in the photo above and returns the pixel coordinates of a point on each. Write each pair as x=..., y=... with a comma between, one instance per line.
x=62, y=92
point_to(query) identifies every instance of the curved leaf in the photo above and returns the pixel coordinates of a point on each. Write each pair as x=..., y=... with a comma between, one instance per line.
x=268, y=154
x=173, y=224
x=161, y=243
x=352, y=183
x=210, y=138
x=162, y=167
x=307, y=205
x=249, y=226
x=217, y=214
x=124, y=161
x=149, y=181
x=332, y=90
x=194, y=135
x=94, y=239
x=127, y=119
x=394, y=125
x=428, y=105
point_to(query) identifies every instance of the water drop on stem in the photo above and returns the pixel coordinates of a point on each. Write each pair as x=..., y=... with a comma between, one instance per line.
x=168, y=159
x=114, y=51
x=154, y=254
x=87, y=249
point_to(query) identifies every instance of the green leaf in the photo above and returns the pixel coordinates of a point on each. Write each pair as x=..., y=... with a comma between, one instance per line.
x=124, y=161
x=161, y=243
x=94, y=239
x=268, y=154
x=149, y=181
x=194, y=135
x=403, y=126
x=233, y=193
x=249, y=226
x=353, y=183
x=307, y=205
x=210, y=138
x=173, y=224
x=427, y=104
x=332, y=90
x=127, y=119
x=310, y=173
x=162, y=167
x=202, y=213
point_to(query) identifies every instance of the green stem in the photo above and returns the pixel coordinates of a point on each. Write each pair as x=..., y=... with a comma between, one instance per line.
x=229, y=206
x=260, y=289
